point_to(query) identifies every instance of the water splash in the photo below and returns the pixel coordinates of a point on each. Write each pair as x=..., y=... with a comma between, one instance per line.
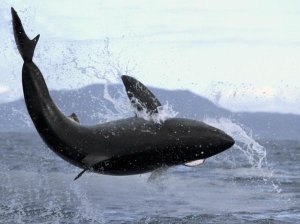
x=252, y=151
x=164, y=112
x=123, y=108
x=87, y=210
x=22, y=116
x=111, y=72
x=245, y=142
x=120, y=104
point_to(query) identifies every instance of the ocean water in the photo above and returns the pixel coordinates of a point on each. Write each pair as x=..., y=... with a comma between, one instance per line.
x=254, y=182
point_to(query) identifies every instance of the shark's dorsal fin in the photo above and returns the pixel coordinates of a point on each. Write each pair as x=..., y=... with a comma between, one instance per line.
x=74, y=117
x=139, y=95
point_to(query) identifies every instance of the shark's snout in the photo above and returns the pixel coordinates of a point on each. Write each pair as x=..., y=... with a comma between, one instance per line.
x=222, y=142
x=225, y=142
x=228, y=141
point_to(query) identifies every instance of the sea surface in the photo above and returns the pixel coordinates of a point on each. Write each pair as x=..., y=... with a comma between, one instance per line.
x=241, y=185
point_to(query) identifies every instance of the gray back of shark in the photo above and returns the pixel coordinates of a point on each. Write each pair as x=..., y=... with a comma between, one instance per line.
x=123, y=147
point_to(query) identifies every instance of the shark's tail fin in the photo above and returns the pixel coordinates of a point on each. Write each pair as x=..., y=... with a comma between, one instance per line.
x=25, y=45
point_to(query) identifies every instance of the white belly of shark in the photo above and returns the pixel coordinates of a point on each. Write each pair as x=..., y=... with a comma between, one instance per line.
x=195, y=163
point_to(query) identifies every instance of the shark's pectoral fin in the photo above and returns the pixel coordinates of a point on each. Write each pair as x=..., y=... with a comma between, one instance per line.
x=80, y=174
x=139, y=95
x=92, y=159
x=74, y=117
x=89, y=161
x=195, y=163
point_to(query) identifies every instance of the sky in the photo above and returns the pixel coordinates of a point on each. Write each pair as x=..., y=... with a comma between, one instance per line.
x=242, y=55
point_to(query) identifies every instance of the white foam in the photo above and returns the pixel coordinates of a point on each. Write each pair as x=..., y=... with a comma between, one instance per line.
x=164, y=112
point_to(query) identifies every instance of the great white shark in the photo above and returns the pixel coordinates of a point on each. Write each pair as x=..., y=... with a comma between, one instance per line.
x=122, y=147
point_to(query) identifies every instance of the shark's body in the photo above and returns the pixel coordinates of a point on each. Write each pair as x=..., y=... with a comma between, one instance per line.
x=123, y=147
